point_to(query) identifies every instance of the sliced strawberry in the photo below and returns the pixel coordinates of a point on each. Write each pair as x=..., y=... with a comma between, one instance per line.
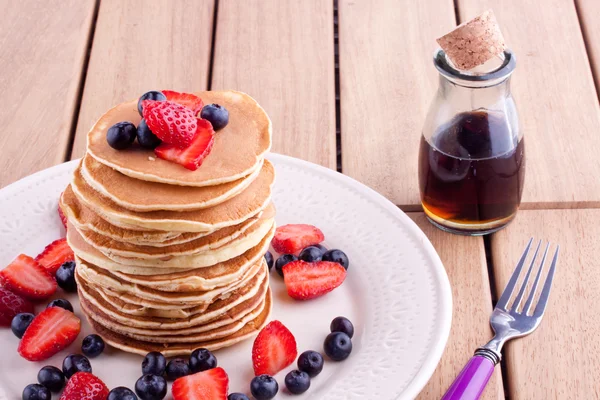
x=188, y=100
x=306, y=281
x=292, y=238
x=192, y=156
x=50, y=331
x=63, y=219
x=11, y=305
x=84, y=386
x=211, y=384
x=274, y=349
x=54, y=255
x=173, y=123
x=25, y=277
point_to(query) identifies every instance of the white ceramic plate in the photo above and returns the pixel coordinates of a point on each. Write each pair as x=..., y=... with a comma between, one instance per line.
x=397, y=293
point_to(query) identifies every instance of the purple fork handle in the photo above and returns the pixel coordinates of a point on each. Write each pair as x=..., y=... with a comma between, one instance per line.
x=471, y=381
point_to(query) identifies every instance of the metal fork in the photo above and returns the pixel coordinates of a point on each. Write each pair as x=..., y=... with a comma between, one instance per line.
x=509, y=322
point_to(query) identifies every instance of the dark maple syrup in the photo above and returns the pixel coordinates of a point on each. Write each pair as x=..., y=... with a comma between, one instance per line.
x=471, y=173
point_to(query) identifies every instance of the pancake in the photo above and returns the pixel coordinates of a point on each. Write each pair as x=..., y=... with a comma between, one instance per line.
x=138, y=195
x=142, y=348
x=234, y=211
x=236, y=151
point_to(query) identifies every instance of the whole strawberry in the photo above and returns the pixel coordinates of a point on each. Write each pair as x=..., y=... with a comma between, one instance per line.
x=171, y=122
x=84, y=386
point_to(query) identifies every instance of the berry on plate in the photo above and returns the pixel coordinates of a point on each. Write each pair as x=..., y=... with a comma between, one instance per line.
x=145, y=137
x=337, y=256
x=151, y=387
x=51, y=331
x=211, y=384
x=337, y=346
x=297, y=382
x=25, y=277
x=342, y=324
x=121, y=393
x=52, y=378
x=274, y=349
x=151, y=95
x=311, y=254
x=177, y=368
x=264, y=387
x=36, y=392
x=171, y=122
x=154, y=364
x=217, y=115
x=84, y=386
x=311, y=362
x=193, y=155
x=121, y=135
x=292, y=238
x=305, y=281
x=237, y=396
x=20, y=323
x=10, y=305
x=74, y=363
x=62, y=303
x=65, y=277
x=187, y=100
x=283, y=261
x=55, y=255
x=269, y=260
x=201, y=360
x=92, y=345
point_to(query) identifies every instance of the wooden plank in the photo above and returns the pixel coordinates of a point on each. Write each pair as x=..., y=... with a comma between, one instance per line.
x=464, y=259
x=559, y=360
x=144, y=45
x=42, y=51
x=281, y=53
x=556, y=99
x=387, y=81
x=589, y=16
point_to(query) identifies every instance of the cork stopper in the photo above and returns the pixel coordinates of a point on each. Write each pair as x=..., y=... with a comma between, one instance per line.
x=474, y=42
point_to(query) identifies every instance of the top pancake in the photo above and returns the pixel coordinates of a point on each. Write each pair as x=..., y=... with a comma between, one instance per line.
x=237, y=149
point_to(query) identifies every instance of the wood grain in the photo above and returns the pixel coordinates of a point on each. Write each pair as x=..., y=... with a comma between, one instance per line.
x=589, y=19
x=560, y=359
x=556, y=99
x=144, y=45
x=464, y=260
x=281, y=53
x=42, y=52
x=387, y=80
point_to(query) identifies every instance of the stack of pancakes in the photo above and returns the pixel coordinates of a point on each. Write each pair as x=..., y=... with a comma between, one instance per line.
x=169, y=259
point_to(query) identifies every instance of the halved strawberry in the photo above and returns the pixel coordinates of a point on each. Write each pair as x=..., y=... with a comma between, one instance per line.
x=306, y=281
x=173, y=123
x=84, y=386
x=211, y=384
x=50, y=331
x=274, y=349
x=12, y=304
x=292, y=238
x=188, y=100
x=25, y=277
x=54, y=255
x=62, y=216
x=192, y=156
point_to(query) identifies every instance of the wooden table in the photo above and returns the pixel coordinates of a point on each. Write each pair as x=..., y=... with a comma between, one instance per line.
x=347, y=86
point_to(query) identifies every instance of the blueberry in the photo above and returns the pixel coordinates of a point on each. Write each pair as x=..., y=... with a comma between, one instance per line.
x=201, y=360
x=176, y=368
x=151, y=387
x=264, y=387
x=282, y=261
x=121, y=393
x=65, y=277
x=237, y=396
x=297, y=382
x=121, y=135
x=342, y=324
x=36, y=392
x=62, y=303
x=311, y=254
x=311, y=362
x=269, y=260
x=337, y=256
x=75, y=363
x=151, y=95
x=20, y=323
x=154, y=363
x=217, y=115
x=337, y=346
x=92, y=346
x=52, y=378
x=321, y=247
x=145, y=137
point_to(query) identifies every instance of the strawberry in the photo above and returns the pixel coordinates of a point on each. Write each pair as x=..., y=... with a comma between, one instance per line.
x=188, y=100
x=84, y=386
x=50, y=331
x=11, y=305
x=292, y=238
x=173, y=123
x=63, y=219
x=25, y=277
x=54, y=255
x=306, y=281
x=211, y=384
x=274, y=349
x=192, y=156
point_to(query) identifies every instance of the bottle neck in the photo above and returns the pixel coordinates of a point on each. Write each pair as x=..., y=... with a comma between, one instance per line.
x=475, y=97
